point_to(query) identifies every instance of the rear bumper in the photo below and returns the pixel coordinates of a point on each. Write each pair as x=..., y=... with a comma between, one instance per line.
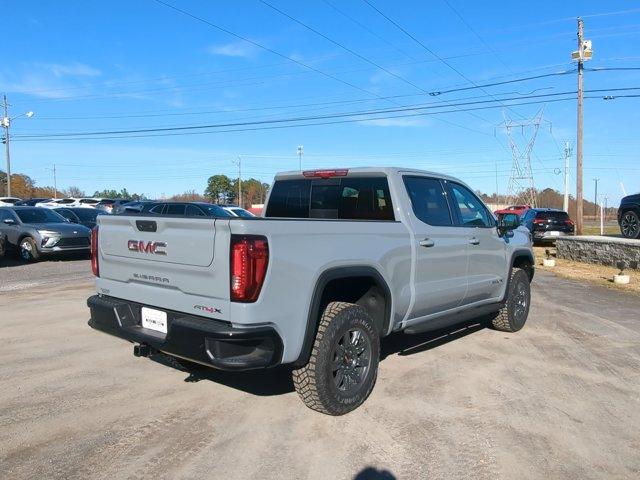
x=202, y=340
x=549, y=235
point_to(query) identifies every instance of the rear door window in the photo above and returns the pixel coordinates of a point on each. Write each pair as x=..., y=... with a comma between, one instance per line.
x=365, y=198
x=193, y=211
x=173, y=209
x=157, y=209
x=429, y=200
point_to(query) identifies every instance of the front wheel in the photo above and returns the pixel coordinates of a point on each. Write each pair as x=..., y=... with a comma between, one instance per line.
x=630, y=224
x=28, y=250
x=513, y=315
x=344, y=360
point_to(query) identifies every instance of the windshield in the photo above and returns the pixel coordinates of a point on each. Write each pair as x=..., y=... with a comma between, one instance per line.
x=38, y=215
x=557, y=216
x=216, y=211
x=241, y=212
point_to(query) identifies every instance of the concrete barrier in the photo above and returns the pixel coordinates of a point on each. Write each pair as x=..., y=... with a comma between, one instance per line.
x=600, y=250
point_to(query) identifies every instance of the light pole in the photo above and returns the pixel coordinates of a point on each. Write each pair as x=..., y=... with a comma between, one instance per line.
x=239, y=163
x=300, y=153
x=6, y=123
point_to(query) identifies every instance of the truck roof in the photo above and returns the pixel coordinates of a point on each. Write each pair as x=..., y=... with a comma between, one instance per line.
x=293, y=174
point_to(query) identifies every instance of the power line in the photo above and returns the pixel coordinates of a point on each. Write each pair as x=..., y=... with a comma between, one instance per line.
x=273, y=127
x=342, y=46
x=365, y=28
x=426, y=48
x=419, y=107
x=477, y=35
x=229, y=32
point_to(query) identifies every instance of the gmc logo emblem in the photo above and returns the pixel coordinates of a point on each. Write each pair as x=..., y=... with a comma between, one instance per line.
x=141, y=246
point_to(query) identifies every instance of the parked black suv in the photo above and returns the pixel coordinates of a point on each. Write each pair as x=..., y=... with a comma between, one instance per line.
x=547, y=224
x=189, y=209
x=629, y=216
x=3, y=244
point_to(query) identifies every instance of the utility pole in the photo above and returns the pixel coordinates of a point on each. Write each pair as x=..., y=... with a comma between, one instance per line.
x=583, y=54
x=595, y=199
x=239, y=181
x=579, y=211
x=300, y=152
x=55, y=182
x=6, y=121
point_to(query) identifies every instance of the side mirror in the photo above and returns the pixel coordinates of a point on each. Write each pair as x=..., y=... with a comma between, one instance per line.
x=508, y=222
x=9, y=221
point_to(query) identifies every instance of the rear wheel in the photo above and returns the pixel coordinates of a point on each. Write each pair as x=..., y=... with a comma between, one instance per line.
x=630, y=224
x=28, y=250
x=343, y=366
x=513, y=315
x=2, y=247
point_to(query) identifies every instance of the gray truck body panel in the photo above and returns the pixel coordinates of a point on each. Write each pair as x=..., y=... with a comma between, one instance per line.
x=465, y=268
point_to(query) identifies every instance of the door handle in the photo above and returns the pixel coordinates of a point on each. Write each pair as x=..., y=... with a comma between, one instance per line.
x=474, y=241
x=427, y=242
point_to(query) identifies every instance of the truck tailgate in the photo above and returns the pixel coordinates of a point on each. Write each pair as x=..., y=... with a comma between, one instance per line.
x=171, y=262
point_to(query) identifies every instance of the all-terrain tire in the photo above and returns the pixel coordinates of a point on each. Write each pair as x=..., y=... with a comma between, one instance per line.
x=28, y=250
x=513, y=315
x=322, y=383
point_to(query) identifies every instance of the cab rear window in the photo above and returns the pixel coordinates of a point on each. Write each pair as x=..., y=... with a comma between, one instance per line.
x=365, y=198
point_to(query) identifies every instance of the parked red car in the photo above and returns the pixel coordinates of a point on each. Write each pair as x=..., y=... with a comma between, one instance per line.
x=517, y=209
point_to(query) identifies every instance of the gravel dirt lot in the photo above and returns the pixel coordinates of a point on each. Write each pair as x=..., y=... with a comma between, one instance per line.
x=560, y=399
x=17, y=275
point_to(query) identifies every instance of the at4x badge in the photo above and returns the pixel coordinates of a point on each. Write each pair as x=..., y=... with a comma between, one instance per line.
x=204, y=308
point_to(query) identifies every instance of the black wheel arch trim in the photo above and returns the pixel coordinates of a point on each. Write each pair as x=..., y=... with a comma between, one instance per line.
x=313, y=316
x=516, y=255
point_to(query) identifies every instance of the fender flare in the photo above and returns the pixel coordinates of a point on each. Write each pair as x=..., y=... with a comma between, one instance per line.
x=313, y=315
x=516, y=255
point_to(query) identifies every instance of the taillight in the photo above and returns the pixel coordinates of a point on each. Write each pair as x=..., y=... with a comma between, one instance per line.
x=94, y=251
x=538, y=221
x=568, y=222
x=325, y=173
x=249, y=260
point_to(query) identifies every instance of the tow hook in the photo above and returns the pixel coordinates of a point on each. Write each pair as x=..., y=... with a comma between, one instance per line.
x=142, y=350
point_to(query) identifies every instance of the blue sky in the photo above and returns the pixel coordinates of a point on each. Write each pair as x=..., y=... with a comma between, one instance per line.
x=89, y=66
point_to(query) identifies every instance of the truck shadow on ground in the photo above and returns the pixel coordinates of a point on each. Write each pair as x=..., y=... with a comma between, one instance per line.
x=277, y=381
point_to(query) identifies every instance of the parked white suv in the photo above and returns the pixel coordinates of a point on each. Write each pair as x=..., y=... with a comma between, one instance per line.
x=9, y=201
x=70, y=202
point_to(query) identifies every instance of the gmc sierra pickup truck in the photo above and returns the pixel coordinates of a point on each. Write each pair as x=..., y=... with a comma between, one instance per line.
x=339, y=260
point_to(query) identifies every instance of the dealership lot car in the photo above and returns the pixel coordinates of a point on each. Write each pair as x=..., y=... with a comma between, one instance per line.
x=547, y=224
x=112, y=205
x=3, y=244
x=237, y=211
x=9, y=201
x=35, y=232
x=188, y=209
x=629, y=216
x=82, y=216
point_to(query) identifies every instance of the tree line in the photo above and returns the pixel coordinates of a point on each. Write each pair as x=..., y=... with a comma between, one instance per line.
x=222, y=189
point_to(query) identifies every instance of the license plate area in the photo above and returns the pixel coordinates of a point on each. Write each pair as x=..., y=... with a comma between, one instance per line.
x=154, y=319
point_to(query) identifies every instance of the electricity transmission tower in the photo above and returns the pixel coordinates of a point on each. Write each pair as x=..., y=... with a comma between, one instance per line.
x=521, y=188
